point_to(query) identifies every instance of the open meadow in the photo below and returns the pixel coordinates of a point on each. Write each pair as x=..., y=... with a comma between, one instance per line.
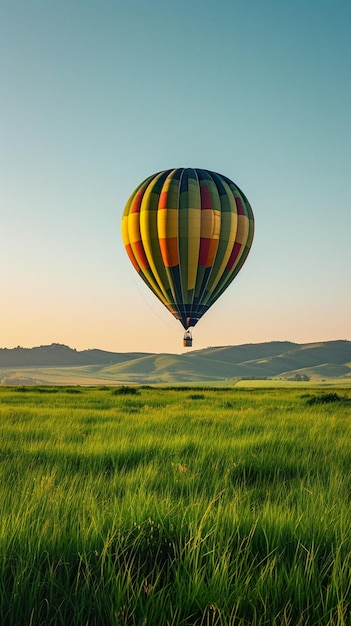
x=175, y=506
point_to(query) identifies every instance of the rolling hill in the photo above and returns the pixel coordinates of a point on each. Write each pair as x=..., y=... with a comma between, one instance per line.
x=59, y=364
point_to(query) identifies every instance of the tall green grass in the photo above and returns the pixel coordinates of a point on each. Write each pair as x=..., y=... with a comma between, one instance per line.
x=141, y=506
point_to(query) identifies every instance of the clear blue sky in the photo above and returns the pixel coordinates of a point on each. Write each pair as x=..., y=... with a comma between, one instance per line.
x=96, y=96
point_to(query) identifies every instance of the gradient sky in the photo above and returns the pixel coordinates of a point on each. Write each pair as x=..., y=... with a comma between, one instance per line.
x=98, y=95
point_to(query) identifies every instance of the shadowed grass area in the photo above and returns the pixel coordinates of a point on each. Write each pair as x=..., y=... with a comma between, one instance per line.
x=175, y=507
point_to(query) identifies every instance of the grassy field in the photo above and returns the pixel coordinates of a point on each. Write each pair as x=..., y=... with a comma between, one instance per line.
x=166, y=507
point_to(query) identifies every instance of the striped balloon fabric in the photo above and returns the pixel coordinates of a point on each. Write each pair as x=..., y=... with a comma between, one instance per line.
x=187, y=233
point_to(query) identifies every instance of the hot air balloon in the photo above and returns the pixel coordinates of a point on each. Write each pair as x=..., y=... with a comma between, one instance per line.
x=187, y=232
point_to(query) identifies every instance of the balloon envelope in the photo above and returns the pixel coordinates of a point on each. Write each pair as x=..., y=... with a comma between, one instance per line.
x=187, y=233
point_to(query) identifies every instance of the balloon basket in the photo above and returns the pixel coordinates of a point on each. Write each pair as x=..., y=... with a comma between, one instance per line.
x=187, y=339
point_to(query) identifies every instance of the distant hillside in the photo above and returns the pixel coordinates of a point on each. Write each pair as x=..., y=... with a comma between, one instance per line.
x=61, y=355
x=59, y=364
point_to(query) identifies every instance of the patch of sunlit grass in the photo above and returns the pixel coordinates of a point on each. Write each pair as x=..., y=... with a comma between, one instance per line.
x=227, y=507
